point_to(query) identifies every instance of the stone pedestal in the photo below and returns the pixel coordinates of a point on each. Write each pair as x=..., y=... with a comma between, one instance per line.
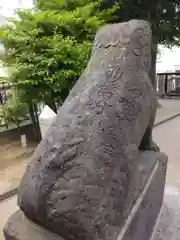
x=21, y=228
x=146, y=197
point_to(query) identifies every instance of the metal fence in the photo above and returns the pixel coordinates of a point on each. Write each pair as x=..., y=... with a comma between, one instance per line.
x=5, y=94
x=5, y=88
x=168, y=84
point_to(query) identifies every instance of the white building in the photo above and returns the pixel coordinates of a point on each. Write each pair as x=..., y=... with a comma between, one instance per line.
x=168, y=60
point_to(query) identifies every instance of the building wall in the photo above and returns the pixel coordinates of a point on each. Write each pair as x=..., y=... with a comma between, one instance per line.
x=168, y=59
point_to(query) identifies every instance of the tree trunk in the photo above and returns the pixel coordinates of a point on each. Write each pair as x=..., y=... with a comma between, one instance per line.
x=36, y=127
x=52, y=105
x=37, y=122
x=152, y=73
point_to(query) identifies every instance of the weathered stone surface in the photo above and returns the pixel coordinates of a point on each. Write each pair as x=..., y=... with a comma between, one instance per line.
x=81, y=176
x=149, y=181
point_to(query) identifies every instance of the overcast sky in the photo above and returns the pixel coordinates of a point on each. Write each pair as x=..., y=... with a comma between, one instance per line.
x=7, y=6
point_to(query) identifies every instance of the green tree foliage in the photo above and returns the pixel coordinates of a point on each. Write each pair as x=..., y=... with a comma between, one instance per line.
x=14, y=110
x=164, y=16
x=49, y=46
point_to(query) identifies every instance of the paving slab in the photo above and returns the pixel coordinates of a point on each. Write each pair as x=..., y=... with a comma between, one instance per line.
x=168, y=227
x=167, y=136
x=7, y=208
x=169, y=108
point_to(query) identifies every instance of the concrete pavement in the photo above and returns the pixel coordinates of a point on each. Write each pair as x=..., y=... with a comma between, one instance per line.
x=7, y=208
x=169, y=108
x=168, y=226
x=167, y=137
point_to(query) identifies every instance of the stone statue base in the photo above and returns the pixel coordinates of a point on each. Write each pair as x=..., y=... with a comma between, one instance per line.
x=149, y=182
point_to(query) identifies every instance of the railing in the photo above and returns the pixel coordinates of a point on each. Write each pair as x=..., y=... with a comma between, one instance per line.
x=4, y=91
x=5, y=94
x=168, y=84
